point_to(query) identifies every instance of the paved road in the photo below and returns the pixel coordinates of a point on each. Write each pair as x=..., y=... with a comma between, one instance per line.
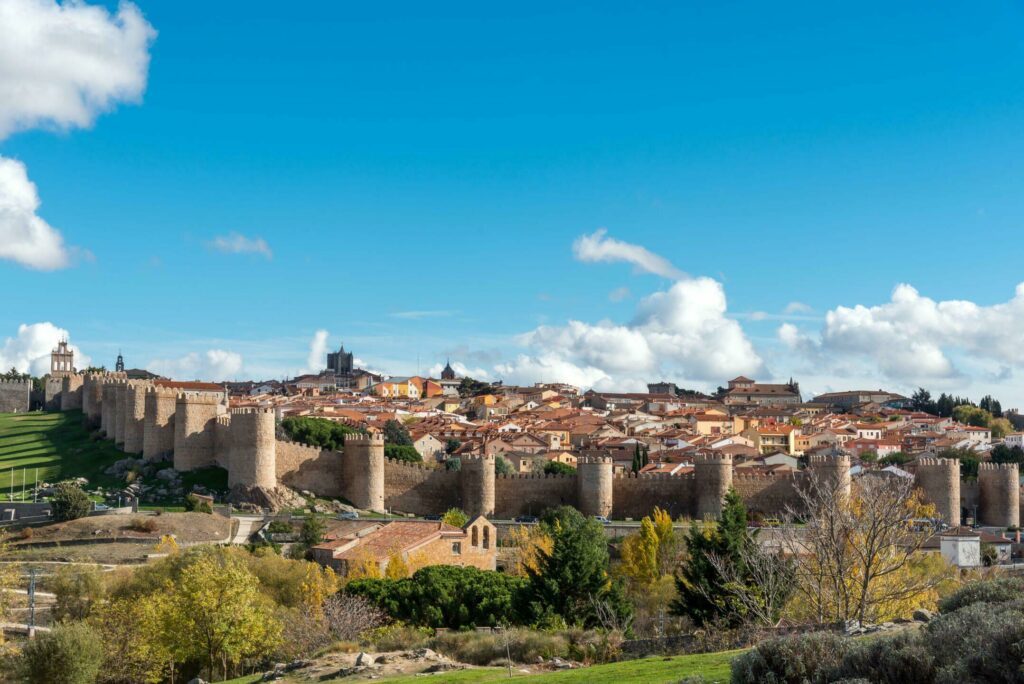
x=246, y=526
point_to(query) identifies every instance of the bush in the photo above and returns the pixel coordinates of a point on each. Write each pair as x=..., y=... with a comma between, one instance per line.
x=446, y=596
x=899, y=659
x=558, y=468
x=484, y=648
x=280, y=527
x=194, y=504
x=69, y=502
x=70, y=654
x=966, y=636
x=989, y=591
x=397, y=637
x=791, y=660
x=141, y=524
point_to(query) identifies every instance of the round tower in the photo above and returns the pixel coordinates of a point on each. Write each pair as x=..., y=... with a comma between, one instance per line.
x=362, y=471
x=253, y=458
x=832, y=471
x=135, y=417
x=594, y=483
x=158, y=432
x=1000, y=494
x=712, y=479
x=71, y=392
x=195, y=418
x=939, y=479
x=476, y=479
x=120, y=410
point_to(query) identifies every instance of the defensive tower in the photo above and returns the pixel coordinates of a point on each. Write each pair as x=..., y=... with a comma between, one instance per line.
x=476, y=480
x=713, y=478
x=1000, y=494
x=195, y=416
x=158, y=433
x=253, y=459
x=135, y=417
x=594, y=482
x=939, y=479
x=832, y=471
x=362, y=471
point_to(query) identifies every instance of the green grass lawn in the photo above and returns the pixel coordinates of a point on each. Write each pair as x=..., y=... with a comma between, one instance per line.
x=56, y=445
x=714, y=667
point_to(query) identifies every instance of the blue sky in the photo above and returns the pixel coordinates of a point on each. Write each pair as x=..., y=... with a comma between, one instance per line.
x=419, y=176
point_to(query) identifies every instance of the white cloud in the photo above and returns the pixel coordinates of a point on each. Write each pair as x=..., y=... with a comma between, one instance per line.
x=619, y=294
x=236, y=243
x=317, y=359
x=62, y=64
x=681, y=333
x=797, y=308
x=24, y=236
x=29, y=350
x=597, y=247
x=916, y=339
x=211, y=365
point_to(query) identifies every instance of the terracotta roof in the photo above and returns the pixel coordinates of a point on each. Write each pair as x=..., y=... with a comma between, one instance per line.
x=193, y=386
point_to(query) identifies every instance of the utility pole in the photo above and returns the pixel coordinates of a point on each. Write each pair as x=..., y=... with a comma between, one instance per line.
x=31, y=601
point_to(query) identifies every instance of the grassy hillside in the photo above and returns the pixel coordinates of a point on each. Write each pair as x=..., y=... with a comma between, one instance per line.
x=54, y=443
x=60, y=447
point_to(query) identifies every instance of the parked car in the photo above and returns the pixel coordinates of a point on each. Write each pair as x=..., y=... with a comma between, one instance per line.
x=432, y=517
x=526, y=519
x=348, y=515
x=602, y=519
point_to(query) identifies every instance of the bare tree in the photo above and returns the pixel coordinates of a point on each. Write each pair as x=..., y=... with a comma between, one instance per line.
x=759, y=585
x=856, y=555
x=349, y=616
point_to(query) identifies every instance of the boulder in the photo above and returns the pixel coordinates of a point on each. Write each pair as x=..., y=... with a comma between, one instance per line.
x=364, y=659
x=923, y=615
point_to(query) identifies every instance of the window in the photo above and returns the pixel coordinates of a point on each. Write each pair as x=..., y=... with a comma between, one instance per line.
x=476, y=539
x=456, y=548
x=487, y=537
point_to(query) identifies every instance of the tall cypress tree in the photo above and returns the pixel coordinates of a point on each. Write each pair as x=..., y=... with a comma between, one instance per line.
x=698, y=583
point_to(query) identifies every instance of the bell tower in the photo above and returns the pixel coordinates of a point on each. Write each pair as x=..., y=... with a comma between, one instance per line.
x=62, y=360
x=119, y=365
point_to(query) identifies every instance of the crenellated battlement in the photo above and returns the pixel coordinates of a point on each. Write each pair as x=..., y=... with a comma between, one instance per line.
x=827, y=461
x=199, y=398
x=595, y=460
x=939, y=463
x=997, y=467
x=712, y=459
x=365, y=439
x=250, y=410
x=537, y=476
x=16, y=383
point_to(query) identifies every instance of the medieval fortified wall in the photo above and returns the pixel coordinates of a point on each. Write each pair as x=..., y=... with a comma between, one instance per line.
x=191, y=423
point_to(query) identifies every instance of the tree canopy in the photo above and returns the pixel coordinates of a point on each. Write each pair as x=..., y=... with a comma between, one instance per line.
x=317, y=432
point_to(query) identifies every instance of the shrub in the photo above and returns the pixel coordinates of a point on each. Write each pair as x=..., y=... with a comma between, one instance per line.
x=445, y=596
x=402, y=452
x=69, y=502
x=25, y=533
x=194, y=504
x=954, y=637
x=899, y=659
x=558, y=468
x=318, y=432
x=989, y=591
x=397, y=637
x=70, y=654
x=78, y=589
x=791, y=660
x=280, y=527
x=142, y=525
x=484, y=648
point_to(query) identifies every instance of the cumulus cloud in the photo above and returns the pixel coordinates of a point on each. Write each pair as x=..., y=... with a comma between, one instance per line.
x=24, y=236
x=598, y=247
x=317, y=359
x=62, y=64
x=681, y=333
x=915, y=338
x=29, y=350
x=212, y=365
x=236, y=243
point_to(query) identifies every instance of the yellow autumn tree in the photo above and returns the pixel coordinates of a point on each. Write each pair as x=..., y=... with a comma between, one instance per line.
x=216, y=614
x=168, y=544
x=650, y=553
x=530, y=543
x=363, y=567
x=397, y=568
x=317, y=584
x=134, y=647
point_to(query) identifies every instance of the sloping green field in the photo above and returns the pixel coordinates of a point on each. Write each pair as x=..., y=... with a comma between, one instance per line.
x=56, y=445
